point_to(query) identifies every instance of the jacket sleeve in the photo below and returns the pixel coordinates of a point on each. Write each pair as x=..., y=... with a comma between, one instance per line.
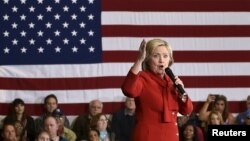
x=185, y=108
x=132, y=85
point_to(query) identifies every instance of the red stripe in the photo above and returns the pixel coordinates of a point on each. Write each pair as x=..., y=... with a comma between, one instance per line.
x=175, y=5
x=115, y=82
x=175, y=31
x=109, y=107
x=183, y=56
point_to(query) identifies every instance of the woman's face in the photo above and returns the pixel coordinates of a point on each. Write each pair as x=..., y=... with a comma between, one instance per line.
x=159, y=60
x=93, y=136
x=19, y=108
x=215, y=120
x=188, y=132
x=102, y=123
x=220, y=106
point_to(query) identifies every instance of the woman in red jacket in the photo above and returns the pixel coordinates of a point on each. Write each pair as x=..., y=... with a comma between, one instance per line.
x=157, y=100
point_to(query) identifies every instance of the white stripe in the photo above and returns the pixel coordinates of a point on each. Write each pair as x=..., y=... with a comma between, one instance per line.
x=175, y=18
x=180, y=44
x=112, y=95
x=120, y=69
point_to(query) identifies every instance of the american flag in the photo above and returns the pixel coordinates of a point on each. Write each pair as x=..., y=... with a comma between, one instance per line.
x=82, y=49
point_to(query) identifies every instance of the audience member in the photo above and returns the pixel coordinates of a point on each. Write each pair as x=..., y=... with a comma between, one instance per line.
x=43, y=136
x=9, y=132
x=123, y=121
x=62, y=130
x=81, y=124
x=50, y=104
x=188, y=132
x=23, y=123
x=93, y=135
x=220, y=104
x=247, y=118
x=51, y=126
x=241, y=116
x=101, y=123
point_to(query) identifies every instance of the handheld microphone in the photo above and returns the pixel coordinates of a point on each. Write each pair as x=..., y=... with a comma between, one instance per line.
x=172, y=77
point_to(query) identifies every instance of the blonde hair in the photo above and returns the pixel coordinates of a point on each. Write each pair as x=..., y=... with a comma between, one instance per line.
x=151, y=45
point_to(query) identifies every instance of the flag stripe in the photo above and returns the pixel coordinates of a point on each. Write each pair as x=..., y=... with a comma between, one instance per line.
x=180, y=44
x=176, y=18
x=176, y=31
x=121, y=69
x=183, y=56
x=109, y=107
x=113, y=94
x=115, y=82
x=174, y=5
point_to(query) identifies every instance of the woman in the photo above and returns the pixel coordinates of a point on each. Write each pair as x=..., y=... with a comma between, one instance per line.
x=189, y=133
x=101, y=123
x=24, y=124
x=219, y=104
x=157, y=100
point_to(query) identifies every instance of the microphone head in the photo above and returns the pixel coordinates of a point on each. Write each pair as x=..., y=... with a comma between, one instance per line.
x=170, y=73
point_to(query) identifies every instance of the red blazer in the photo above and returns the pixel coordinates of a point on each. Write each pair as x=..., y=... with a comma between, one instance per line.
x=157, y=104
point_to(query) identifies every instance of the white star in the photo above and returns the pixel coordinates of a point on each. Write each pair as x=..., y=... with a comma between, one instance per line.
x=6, y=33
x=6, y=1
x=74, y=33
x=82, y=9
x=40, y=17
x=40, y=50
x=57, y=1
x=82, y=25
x=23, y=50
x=23, y=17
x=91, y=49
x=32, y=41
x=82, y=41
x=23, y=34
x=66, y=8
x=91, y=33
x=14, y=42
x=40, y=33
x=57, y=17
x=23, y=1
x=91, y=17
x=6, y=50
x=57, y=33
x=40, y=1
x=91, y=1
x=57, y=49
x=74, y=49
x=48, y=25
x=74, y=16
x=5, y=17
x=14, y=9
x=49, y=9
x=32, y=9
x=49, y=41
x=31, y=25
x=65, y=41
x=74, y=1
x=65, y=25
x=14, y=25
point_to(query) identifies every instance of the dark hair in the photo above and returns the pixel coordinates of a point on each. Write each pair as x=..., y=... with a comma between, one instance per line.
x=182, y=137
x=48, y=97
x=17, y=101
x=225, y=111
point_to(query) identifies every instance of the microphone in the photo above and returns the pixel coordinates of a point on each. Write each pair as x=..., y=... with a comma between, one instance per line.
x=172, y=77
